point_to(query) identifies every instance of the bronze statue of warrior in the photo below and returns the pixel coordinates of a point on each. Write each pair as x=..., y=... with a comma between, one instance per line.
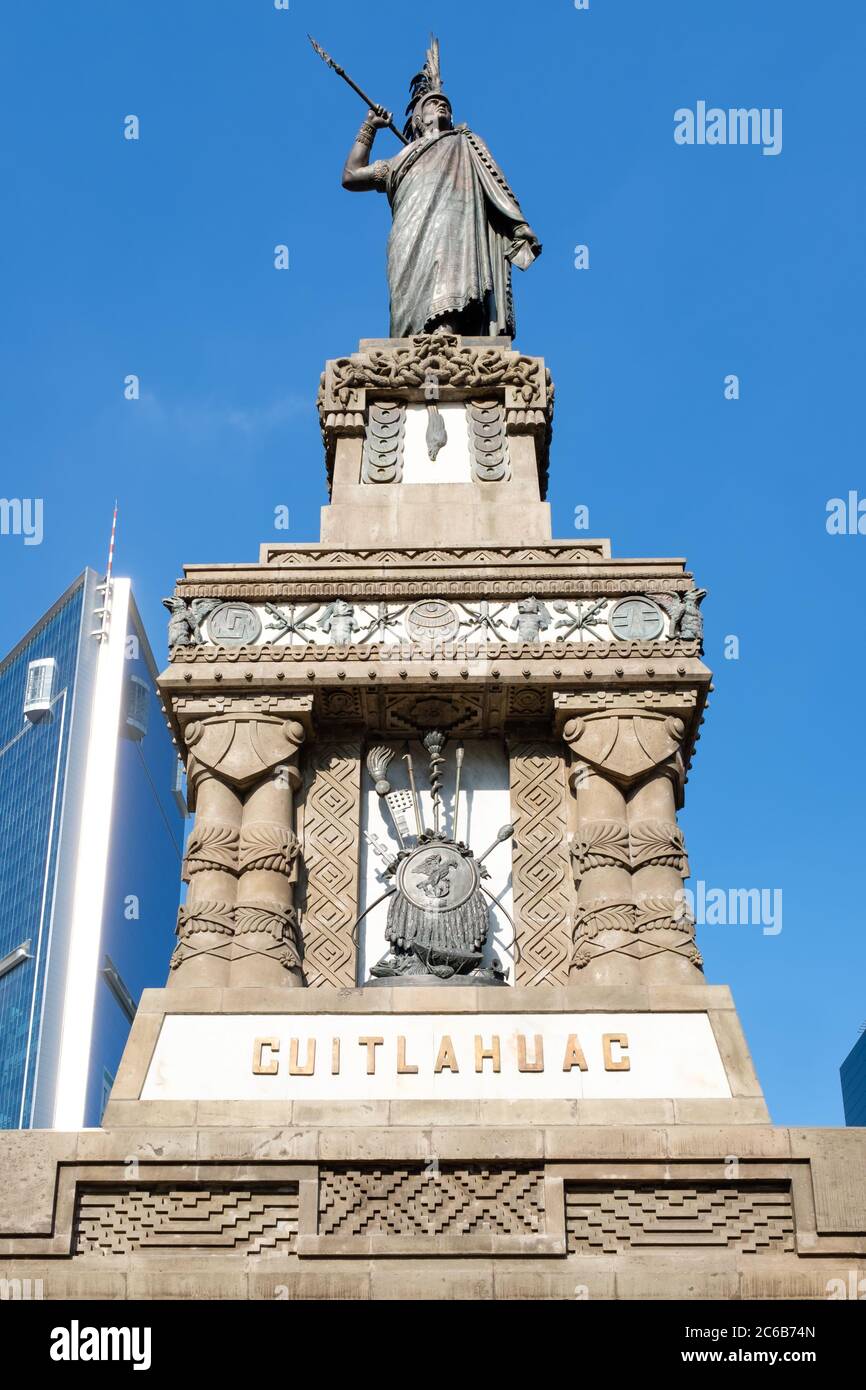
x=457, y=227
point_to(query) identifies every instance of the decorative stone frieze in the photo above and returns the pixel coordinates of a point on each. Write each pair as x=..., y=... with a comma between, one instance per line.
x=201, y=1217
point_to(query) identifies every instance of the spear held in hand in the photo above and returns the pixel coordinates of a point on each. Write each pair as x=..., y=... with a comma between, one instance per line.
x=341, y=72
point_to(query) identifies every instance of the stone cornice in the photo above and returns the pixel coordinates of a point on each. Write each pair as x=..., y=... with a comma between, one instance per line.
x=358, y=585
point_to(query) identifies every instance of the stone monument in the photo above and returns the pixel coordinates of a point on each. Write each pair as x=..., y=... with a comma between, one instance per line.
x=436, y=1024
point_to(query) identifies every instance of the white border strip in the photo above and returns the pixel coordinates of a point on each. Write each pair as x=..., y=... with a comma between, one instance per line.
x=91, y=868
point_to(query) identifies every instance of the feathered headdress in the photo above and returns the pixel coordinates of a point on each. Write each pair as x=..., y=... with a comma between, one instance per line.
x=424, y=84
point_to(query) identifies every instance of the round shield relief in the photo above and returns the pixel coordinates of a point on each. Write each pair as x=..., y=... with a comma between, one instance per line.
x=636, y=620
x=234, y=625
x=437, y=877
x=432, y=621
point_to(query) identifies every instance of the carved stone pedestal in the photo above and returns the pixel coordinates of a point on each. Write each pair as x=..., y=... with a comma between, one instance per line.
x=594, y=1129
x=585, y=1142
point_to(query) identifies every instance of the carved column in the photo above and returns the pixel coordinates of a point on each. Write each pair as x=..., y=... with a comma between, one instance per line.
x=659, y=865
x=237, y=925
x=266, y=925
x=600, y=862
x=205, y=924
x=628, y=853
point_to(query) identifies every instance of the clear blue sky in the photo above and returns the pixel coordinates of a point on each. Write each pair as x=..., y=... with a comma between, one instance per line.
x=155, y=257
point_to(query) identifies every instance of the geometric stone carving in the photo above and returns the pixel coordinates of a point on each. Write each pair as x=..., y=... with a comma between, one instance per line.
x=234, y=625
x=443, y=1199
x=332, y=557
x=540, y=872
x=253, y=1220
x=456, y=713
x=331, y=832
x=607, y=1220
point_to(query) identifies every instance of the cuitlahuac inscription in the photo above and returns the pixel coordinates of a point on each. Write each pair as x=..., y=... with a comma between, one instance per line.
x=401, y=1057
x=436, y=1024
x=487, y=1053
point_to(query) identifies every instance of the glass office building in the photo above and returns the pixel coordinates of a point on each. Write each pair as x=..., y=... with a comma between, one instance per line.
x=853, y=1076
x=91, y=834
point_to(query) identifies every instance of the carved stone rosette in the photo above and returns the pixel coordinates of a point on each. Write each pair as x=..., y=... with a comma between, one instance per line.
x=238, y=925
x=627, y=851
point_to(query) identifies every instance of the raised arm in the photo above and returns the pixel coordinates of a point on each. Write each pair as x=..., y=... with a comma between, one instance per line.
x=357, y=175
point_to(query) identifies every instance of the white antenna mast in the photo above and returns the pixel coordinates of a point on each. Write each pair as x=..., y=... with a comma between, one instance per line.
x=104, y=612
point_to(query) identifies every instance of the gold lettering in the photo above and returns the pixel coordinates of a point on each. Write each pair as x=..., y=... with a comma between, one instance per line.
x=335, y=1056
x=490, y=1053
x=371, y=1044
x=537, y=1064
x=260, y=1067
x=610, y=1040
x=446, y=1057
x=294, y=1069
x=573, y=1055
x=404, y=1068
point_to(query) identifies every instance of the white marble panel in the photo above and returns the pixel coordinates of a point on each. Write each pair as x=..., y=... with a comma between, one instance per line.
x=452, y=463
x=626, y=1056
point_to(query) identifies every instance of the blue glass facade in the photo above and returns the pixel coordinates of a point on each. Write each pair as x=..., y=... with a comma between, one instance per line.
x=42, y=769
x=853, y=1077
x=33, y=774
